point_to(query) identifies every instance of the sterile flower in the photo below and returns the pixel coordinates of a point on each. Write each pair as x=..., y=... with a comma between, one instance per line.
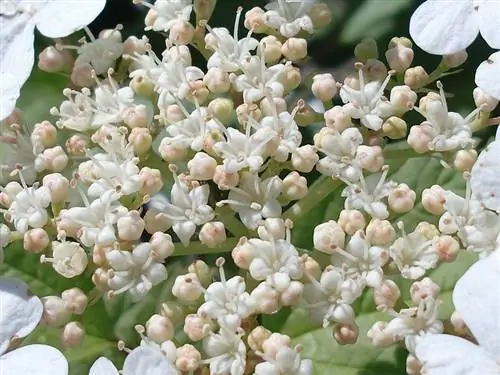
x=53, y=18
x=477, y=300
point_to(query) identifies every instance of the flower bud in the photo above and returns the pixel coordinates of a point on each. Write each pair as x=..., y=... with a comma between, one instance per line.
x=428, y=230
x=370, y=158
x=76, y=145
x=58, y=186
x=159, y=328
x=484, y=101
x=277, y=105
x=188, y=358
x=328, y=237
x=419, y=139
x=150, y=180
x=346, y=334
x=170, y=153
x=196, y=92
x=72, y=335
x=413, y=365
x=202, y=271
x=380, y=232
x=217, y=81
x=225, y=180
x=202, y=166
x=112, y=34
x=291, y=78
x=401, y=199
x=162, y=246
x=311, y=268
x=458, y=323
x=274, y=343
x=293, y=294
x=156, y=222
x=174, y=311
x=187, y=287
x=52, y=60
x=130, y=226
x=75, y=300
x=402, y=99
x=196, y=327
x=82, y=75
x=222, y=109
x=464, y=160
x=455, y=59
x=272, y=229
x=55, y=159
x=447, y=224
x=142, y=86
x=324, y=87
x=433, y=199
x=379, y=337
x=337, y=118
x=55, y=313
x=304, y=158
x=400, y=54
x=141, y=139
x=351, y=221
x=294, y=186
x=305, y=115
x=212, y=234
x=136, y=116
x=446, y=247
x=255, y=19
x=45, y=134
x=416, y=77
x=69, y=259
x=100, y=278
x=267, y=298
x=244, y=111
x=257, y=337
x=394, y=128
x=321, y=15
x=271, y=47
x=133, y=45
x=423, y=289
x=386, y=295
x=366, y=49
x=35, y=240
x=242, y=254
x=181, y=32
x=375, y=70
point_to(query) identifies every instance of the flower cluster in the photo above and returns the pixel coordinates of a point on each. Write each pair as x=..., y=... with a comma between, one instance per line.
x=150, y=157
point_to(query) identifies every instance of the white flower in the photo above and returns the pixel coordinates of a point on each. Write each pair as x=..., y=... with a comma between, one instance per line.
x=53, y=18
x=20, y=314
x=287, y=362
x=134, y=272
x=286, y=128
x=488, y=74
x=443, y=27
x=29, y=208
x=227, y=352
x=290, y=16
x=168, y=12
x=477, y=300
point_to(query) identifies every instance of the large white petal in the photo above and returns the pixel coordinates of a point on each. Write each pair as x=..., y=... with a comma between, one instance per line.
x=19, y=312
x=34, y=360
x=488, y=75
x=489, y=22
x=477, y=299
x=443, y=27
x=9, y=93
x=451, y=355
x=145, y=360
x=485, y=177
x=103, y=366
x=60, y=18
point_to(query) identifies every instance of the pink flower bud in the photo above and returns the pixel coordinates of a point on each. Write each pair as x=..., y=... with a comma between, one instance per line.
x=401, y=199
x=346, y=334
x=225, y=180
x=274, y=343
x=293, y=294
x=217, y=81
x=380, y=232
x=242, y=254
x=58, y=186
x=277, y=105
x=423, y=289
x=304, y=158
x=188, y=358
x=100, y=278
x=419, y=139
x=141, y=139
x=76, y=145
x=413, y=365
x=458, y=324
x=433, y=199
x=464, y=160
x=162, y=246
x=170, y=153
x=370, y=158
x=55, y=313
x=255, y=19
x=351, y=221
x=328, y=237
x=446, y=247
x=197, y=327
x=484, y=101
x=324, y=87
x=133, y=45
x=202, y=166
x=52, y=60
x=294, y=186
x=130, y=226
x=399, y=57
x=55, y=159
x=386, y=295
x=82, y=75
x=72, y=335
x=159, y=328
x=75, y=300
x=136, y=116
x=151, y=181
x=181, y=33
x=379, y=337
x=337, y=118
x=402, y=99
x=35, y=240
x=212, y=234
x=45, y=134
x=267, y=298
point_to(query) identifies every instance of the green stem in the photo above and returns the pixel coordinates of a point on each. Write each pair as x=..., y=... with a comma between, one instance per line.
x=401, y=150
x=226, y=215
x=321, y=188
x=197, y=248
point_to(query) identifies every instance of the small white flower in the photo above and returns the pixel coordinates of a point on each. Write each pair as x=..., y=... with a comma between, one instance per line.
x=53, y=18
x=286, y=362
x=444, y=27
x=134, y=272
x=290, y=16
x=227, y=352
x=168, y=12
x=286, y=128
x=477, y=302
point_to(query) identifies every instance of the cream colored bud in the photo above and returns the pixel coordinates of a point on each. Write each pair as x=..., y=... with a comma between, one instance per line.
x=305, y=116
x=351, y=221
x=222, y=109
x=72, y=335
x=370, y=158
x=257, y=337
x=304, y=158
x=271, y=47
x=188, y=358
x=324, y=87
x=58, y=186
x=187, y=287
x=395, y=128
x=217, y=81
x=402, y=99
x=428, y=230
x=111, y=34
x=291, y=78
x=172, y=114
x=244, y=111
x=293, y=294
x=458, y=324
x=196, y=327
x=75, y=300
x=456, y=59
x=433, y=199
x=51, y=60
x=35, y=240
x=162, y=246
x=55, y=159
x=464, y=160
x=269, y=108
x=76, y=145
x=399, y=57
x=202, y=270
x=198, y=92
x=225, y=180
x=242, y=254
x=268, y=299
x=346, y=334
x=156, y=222
x=150, y=180
x=202, y=166
x=44, y=133
x=142, y=86
x=170, y=153
x=100, y=278
x=294, y=186
x=416, y=77
x=311, y=268
x=366, y=49
x=321, y=15
x=484, y=101
x=423, y=289
x=212, y=234
x=386, y=295
x=274, y=343
x=130, y=226
x=181, y=32
x=380, y=232
x=379, y=337
x=55, y=313
x=337, y=118
x=328, y=237
x=419, y=138
x=272, y=229
x=141, y=139
x=133, y=45
x=255, y=19
x=352, y=80
x=82, y=75
x=401, y=199
x=446, y=247
x=136, y=116
x=159, y=328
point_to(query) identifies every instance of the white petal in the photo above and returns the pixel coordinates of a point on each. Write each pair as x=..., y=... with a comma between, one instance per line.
x=488, y=75
x=60, y=18
x=485, y=177
x=19, y=312
x=477, y=300
x=34, y=360
x=451, y=355
x=9, y=93
x=103, y=366
x=443, y=27
x=489, y=21
x=144, y=360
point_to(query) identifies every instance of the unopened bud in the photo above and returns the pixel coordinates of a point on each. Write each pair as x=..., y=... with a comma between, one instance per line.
x=416, y=77
x=196, y=327
x=130, y=226
x=458, y=323
x=351, y=221
x=58, y=186
x=337, y=118
x=294, y=186
x=150, y=180
x=413, y=365
x=55, y=313
x=159, y=328
x=455, y=59
x=255, y=19
x=401, y=199
x=136, y=116
x=370, y=158
x=72, y=335
x=423, y=289
x=400, y=54
x=44, y=133
x=346, y=334
x=188, y=358
x=75, y=300
x=464, y=160
x=217, y=81
x=293, y=294
x=321, y=15
x=267, y=298
x=141, y=139
x=394, y=128
x=328, y=237
x=187, y=287
x=76, y=145
x=304, y=158
x=379, y=337
x=386, y=295
x=446, y=247
x=202, y=271
x=55, y=159
x=35, y=240
x=271, y=48
x=82, y=75
x=324, y=87
x=380, y=232
x=484, y=101
x=52, y=60
x=202, y=166
x=257, y=337
x=272, y=345
x=212, y=234
x=433, y=199
x=428, y=230
x=162, y=246
x=222, y=109
x=181, y=32
x=225, y=180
